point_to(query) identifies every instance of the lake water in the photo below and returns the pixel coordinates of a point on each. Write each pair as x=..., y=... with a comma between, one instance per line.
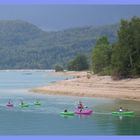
x=46, y=120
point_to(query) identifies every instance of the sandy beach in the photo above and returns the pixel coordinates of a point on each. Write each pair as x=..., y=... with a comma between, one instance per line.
x=93, y=86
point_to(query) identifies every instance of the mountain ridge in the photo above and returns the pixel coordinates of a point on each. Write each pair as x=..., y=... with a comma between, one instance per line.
x=25, y=46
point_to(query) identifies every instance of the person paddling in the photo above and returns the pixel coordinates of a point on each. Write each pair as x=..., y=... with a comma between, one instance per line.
x=80, y=106
x=9, y=102
x=37, y=101
x=65, y=110
x=22, y=103
x=120, y=109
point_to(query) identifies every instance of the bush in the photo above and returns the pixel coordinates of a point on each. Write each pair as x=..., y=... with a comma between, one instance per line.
x=79, y=63
x=58, y=68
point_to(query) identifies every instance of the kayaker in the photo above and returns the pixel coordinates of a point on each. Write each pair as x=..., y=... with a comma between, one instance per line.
x=120, y=109
x=22, y=103
x=65, y=110
x=80, y=106
x=9, y=102
x=37, y=101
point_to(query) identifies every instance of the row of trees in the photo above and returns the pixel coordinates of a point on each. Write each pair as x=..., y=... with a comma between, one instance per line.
x=121, y=59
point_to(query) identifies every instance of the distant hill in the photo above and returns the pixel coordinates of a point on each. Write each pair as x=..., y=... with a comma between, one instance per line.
x=25, y=46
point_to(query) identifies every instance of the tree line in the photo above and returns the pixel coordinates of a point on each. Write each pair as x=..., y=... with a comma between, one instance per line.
x=120, y=59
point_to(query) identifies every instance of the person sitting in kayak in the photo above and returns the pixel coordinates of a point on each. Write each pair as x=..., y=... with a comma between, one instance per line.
x=65, y=110
x=9, y=102
x=120, y=109
x=80, y=106
x=22, y=103
x=37, y=101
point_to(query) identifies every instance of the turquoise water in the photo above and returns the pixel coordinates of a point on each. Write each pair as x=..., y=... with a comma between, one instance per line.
x=46, y=120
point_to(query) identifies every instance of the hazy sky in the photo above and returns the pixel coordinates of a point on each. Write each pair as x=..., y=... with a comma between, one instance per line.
x=58, y=17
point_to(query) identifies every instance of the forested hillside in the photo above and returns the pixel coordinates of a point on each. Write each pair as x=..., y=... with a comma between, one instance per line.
x=25, y=46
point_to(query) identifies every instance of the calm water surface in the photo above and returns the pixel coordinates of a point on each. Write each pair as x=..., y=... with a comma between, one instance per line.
x=45, y=119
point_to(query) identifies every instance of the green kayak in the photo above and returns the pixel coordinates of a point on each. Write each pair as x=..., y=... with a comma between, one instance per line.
x=67, y=113
x=123, y=113
x=24, y=105
x=37, y=103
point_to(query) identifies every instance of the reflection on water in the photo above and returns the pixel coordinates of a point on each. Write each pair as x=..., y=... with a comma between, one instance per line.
x=116, y=104
x=46, y=119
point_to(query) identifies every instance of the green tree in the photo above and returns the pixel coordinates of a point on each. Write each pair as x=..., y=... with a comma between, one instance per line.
x=58, y=68
x=101, y=56
x=126, y=53
x=79, y=63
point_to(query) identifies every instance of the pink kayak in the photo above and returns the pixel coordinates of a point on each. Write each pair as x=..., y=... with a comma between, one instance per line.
x=10, y=105
x=84, y=112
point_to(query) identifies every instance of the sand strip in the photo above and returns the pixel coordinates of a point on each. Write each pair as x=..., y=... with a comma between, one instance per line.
x=95, y=86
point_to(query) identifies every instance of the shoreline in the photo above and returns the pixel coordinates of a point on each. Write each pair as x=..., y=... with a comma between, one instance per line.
x=92, y=86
